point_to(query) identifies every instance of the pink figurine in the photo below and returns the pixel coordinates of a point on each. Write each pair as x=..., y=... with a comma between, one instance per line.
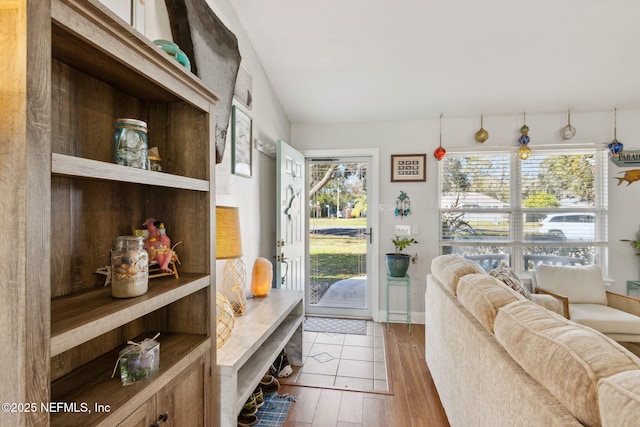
x=158, y=244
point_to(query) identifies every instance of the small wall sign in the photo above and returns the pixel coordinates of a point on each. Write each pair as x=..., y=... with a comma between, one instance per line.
x=626, y=158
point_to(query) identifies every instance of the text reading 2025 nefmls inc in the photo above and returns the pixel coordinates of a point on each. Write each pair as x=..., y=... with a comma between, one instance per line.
x=55, y=407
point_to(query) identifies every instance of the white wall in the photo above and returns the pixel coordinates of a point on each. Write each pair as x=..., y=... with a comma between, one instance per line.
x=255, y=196
x=422, y=136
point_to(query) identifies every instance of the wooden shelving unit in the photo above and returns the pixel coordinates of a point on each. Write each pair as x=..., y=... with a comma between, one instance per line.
x=71, y=86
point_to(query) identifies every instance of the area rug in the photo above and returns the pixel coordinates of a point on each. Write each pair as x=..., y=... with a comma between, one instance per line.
x=275, y=410
x=335, y=326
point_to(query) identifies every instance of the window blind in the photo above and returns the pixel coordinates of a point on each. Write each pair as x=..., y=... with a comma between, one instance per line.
x=552, y=204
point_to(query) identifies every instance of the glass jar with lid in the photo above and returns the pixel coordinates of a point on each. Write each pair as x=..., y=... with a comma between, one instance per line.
x=129, y=267
x=130, y=143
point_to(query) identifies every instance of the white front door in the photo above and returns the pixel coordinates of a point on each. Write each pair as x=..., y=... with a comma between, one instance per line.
x=291, y=238
x=342, y=271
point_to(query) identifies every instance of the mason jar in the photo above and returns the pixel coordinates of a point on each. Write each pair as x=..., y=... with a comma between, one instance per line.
x=129, y=267
x=130, y=143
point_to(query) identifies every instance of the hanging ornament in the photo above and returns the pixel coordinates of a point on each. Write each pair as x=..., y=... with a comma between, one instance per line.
x=482, y=135
x=615, y=146
x=403, y=205
x=568, y=131
x=524, y=152
x=440, y=152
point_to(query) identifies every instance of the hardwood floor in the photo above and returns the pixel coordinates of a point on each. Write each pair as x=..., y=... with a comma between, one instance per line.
x=414, y=402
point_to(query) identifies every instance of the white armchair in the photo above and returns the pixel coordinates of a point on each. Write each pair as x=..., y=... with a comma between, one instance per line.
x=586, y=301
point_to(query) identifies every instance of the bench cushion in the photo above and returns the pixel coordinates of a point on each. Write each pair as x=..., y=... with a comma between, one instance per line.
x=567, y=358
x=582, y=284
x=605, y=319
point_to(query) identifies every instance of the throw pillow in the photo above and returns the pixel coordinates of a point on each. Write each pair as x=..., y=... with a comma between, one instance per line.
x=582, y=284
x=505, y=274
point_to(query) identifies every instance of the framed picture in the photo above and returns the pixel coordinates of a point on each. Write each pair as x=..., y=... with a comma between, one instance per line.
x=131, y=11
x=243, y=91
x=408, y=168
x=241, y=153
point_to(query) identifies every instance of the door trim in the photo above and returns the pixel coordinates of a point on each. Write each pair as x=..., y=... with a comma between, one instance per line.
x=372, y=203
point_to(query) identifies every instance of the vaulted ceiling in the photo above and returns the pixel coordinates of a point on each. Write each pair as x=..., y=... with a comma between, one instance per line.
x=373, y=60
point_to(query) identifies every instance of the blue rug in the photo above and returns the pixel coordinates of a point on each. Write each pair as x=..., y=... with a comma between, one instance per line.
x=275, y=410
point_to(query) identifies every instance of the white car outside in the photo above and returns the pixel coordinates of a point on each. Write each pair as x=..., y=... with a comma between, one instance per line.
x=569, y=226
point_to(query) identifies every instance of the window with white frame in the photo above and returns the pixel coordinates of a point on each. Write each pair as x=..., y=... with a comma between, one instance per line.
x=550, y=208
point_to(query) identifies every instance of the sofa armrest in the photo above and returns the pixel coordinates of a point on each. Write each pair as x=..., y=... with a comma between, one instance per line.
x=549, y=302
x=565, y=300
x=624, y=302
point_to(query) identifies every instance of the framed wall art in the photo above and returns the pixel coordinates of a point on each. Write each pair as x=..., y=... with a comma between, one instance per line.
x=408, y=168
x=243, y=91
x=241, y=152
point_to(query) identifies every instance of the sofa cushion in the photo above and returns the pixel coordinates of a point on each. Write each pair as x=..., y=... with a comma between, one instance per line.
x=619, y=399
x=448, y=269
x=582, y=284
x=506, y=274
x=567, y=358
x=605, y=319
x=482, y=295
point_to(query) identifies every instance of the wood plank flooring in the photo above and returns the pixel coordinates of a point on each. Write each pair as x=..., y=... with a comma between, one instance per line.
x=414, y=402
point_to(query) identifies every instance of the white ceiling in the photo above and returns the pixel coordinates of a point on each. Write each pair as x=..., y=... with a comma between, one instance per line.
x=373, y=60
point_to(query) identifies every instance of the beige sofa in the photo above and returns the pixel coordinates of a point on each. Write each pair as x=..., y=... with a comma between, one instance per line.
x=499, y=359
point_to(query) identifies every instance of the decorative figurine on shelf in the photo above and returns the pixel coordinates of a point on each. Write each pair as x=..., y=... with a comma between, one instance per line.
x=158, y=244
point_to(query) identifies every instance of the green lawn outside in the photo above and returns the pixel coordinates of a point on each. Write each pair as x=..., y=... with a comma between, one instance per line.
x=338, y=222
x=337, y=256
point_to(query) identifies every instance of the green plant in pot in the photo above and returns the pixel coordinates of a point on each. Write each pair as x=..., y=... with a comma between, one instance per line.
x=397, y=262
x=635, y=244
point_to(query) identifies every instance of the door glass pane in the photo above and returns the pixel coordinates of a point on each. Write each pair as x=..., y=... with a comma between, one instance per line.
x=337, y=240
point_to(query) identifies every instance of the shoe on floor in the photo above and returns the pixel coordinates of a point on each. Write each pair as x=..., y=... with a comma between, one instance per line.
x=269, y=384
x=259, y=397
x=250, y=407
x=247, y=420
x=281, y=367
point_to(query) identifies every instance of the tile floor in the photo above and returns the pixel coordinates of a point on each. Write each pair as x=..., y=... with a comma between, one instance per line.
x=353, y=362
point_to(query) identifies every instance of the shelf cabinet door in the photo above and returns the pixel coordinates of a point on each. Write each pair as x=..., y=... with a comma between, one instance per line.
x=144, y=416
x=183, y=399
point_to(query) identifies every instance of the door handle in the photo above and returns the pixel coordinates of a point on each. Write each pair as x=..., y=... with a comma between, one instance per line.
x=370, y=234
x=282, y=259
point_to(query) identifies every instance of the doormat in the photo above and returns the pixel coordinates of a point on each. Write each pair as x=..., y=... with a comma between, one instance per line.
x=275, y=410
x=335, y=326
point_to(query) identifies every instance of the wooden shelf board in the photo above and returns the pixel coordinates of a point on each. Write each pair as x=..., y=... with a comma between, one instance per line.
x=92, y=384
x=62, y=164
x=85, y=315
x=88, y=36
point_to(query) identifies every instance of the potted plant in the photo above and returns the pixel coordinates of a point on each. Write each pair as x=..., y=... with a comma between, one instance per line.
x=635, y=244
x=397, y=262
